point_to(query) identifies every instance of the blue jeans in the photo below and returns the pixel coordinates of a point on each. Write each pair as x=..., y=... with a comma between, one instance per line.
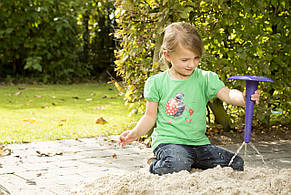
x=175, y=157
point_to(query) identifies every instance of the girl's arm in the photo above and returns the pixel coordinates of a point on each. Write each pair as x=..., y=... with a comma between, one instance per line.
x=145, y=123
x=236, y=97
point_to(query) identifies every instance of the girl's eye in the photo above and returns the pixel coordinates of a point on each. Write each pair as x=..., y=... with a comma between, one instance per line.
x=184, y=60
x=197, y=58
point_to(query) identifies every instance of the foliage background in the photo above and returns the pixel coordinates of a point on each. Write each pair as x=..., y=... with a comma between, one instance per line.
x=240, y=37
x=52, y=41
x=66, y=41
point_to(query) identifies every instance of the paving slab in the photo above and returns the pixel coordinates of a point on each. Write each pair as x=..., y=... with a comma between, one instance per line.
x=57, y=167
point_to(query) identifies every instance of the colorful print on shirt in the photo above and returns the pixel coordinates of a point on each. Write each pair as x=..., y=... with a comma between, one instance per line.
x=175, y=107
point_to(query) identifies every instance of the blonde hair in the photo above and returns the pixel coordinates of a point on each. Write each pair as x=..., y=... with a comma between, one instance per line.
x=183, y=34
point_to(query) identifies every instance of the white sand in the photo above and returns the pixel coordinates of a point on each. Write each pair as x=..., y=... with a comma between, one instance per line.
x=212, y=181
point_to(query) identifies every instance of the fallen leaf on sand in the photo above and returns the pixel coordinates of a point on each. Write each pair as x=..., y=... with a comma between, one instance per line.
x=5, y=151
x=48, y=154
x=30, y=182
x=44, y=154
x=108, y=139
x=114, y=155
x=101, y=121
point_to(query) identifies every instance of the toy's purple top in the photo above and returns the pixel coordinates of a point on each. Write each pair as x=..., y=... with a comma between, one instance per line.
x=251, y=78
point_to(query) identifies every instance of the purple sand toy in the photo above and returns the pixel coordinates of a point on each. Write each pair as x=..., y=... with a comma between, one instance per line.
x=252, y=83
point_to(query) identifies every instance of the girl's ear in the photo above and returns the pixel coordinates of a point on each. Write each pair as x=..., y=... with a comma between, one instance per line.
x=167, y=57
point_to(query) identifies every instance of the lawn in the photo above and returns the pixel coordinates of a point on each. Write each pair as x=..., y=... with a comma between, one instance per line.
x=49, y=112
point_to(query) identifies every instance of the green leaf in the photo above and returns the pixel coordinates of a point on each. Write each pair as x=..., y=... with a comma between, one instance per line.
x=33, y=63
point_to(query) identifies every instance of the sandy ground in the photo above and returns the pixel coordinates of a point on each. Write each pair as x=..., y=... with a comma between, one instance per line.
x=100, y=166
x=253, y=180
x=212, y=181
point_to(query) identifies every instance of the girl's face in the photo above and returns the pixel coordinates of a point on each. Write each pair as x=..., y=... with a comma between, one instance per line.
x=184, y=62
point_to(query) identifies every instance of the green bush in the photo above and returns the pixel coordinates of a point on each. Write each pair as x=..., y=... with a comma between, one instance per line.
x=55, y=41
x=240, y=37
x=39, y=37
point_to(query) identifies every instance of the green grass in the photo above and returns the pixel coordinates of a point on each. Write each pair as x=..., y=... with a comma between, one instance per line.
x=50, y=112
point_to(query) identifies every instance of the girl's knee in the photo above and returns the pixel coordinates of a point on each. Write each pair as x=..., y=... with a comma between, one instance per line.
x=181, y=164
x=170, y=166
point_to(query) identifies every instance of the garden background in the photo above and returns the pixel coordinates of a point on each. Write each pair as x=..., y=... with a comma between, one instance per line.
x=60, y=43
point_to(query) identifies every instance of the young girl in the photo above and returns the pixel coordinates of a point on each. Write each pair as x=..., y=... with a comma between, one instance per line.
x=176, y=102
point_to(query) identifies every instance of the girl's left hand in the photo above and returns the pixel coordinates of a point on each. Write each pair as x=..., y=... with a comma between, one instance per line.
x=255, y=97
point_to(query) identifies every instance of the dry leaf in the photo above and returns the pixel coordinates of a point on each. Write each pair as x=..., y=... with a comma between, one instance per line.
x=18, y=93
x=101, y=121
x=43, y=154
x=61, y=122
x=30, y=182
x=48, y=154
x=29, y=121
x=108, y=139
x=114, y=155
x=5, y=151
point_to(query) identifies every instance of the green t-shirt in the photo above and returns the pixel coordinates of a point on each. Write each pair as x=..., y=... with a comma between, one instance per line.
x=181, y=117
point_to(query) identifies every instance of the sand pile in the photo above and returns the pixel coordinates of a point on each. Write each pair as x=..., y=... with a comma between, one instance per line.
x=212, y=181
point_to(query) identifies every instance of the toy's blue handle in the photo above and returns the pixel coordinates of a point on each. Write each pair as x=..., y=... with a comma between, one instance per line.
x=251, y=87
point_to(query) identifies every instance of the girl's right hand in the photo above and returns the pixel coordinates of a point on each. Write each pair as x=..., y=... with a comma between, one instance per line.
x=126, y=137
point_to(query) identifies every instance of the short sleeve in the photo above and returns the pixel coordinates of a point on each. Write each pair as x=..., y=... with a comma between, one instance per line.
x=213, y=85
x=151, y=92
